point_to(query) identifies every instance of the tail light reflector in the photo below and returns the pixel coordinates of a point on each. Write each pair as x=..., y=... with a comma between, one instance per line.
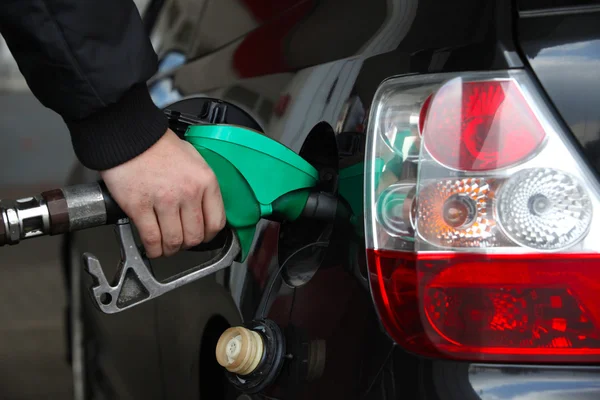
x=481, y=232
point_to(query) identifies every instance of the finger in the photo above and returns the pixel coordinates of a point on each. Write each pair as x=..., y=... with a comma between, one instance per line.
x=192, y=220
x=213, y=211
x=149, y=231
x=169, y=221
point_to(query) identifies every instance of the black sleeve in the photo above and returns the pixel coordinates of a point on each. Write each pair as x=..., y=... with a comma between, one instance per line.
x=89, y=61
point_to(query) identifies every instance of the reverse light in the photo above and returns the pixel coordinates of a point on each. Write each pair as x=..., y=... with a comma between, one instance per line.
x=482, y=227
x=544, y=208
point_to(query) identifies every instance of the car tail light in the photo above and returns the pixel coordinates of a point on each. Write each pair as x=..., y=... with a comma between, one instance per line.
x=481, y=222
x=481, y=126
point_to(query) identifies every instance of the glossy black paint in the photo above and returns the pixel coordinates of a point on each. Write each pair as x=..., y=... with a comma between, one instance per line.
x=562, y=46
x=307, y=71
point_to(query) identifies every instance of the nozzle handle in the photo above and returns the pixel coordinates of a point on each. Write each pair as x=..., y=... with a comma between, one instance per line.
x=69, y=209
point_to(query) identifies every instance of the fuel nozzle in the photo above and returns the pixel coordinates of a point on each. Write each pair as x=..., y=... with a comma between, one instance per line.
x=258, y=177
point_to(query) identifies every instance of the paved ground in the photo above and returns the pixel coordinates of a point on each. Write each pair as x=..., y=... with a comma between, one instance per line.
x=34, y=155
x=32, y=341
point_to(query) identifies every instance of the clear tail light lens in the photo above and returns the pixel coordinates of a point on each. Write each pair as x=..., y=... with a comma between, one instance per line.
x=482, y=222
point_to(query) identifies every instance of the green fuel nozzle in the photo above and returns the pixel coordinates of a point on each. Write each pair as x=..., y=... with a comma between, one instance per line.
x=258, y=177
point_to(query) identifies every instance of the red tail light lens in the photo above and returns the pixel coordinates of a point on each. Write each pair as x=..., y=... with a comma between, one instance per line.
x=481, y=246
x=481, y=126
x=522, y=308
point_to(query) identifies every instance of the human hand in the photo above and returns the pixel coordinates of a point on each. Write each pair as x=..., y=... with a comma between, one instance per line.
x=171, y=194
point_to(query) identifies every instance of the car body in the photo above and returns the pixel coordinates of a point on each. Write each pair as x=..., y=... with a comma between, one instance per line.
x=307, y=71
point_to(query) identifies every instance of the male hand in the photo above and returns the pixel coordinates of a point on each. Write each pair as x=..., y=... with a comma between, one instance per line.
x=171, y=194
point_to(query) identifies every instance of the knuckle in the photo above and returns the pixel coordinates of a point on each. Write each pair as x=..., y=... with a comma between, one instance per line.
x=194, y=240
x=173, y=241
x=217, y=224
x=194, y=235
x=190, y=191
x=209, y=178
x=166, y=198
x=152, y=238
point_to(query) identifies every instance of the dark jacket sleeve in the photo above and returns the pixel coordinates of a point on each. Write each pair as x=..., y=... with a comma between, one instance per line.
x=88, y=60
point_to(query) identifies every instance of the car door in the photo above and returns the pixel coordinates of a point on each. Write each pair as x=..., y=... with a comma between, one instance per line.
x=317, y=108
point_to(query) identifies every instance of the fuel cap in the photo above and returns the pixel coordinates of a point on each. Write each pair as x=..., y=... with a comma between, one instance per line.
x=239, y=350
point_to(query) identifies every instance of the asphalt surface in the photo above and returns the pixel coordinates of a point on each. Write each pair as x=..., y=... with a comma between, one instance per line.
x=35, y=155
x=32, y=339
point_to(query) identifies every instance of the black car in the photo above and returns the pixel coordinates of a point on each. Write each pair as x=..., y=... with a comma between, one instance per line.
x=463, y=135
